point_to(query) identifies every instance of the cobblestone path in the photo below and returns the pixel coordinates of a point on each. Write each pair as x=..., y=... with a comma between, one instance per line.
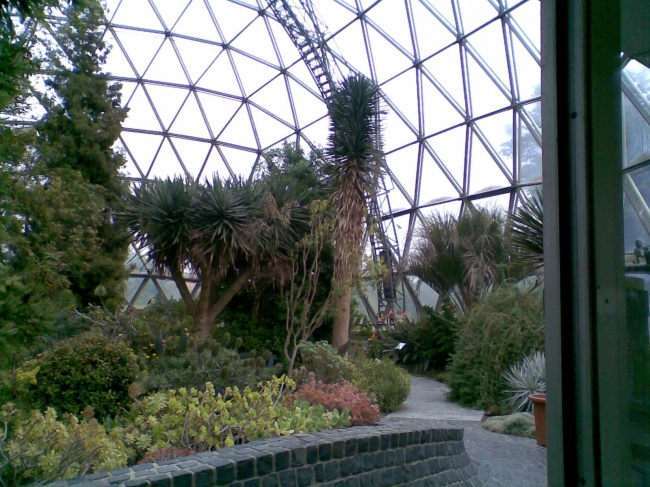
x=503, y=460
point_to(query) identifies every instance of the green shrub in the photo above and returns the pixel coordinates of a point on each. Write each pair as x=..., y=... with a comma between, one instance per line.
x=428, y=342
x=43, y=448
x=383, y=380
x=201, y=421
x=518, y=424
x=325, y=363
x=87, y=370
x=493, y=336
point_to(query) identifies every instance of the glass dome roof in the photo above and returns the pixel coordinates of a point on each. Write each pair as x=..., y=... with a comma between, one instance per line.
x=211, y=84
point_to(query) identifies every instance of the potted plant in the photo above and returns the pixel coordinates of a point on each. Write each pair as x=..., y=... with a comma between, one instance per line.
x=527, y=382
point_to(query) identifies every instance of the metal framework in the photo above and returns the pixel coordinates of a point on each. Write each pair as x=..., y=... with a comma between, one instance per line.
x=212, y=84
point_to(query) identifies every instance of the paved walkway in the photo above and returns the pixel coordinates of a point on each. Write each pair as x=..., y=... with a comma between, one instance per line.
x=503, y=460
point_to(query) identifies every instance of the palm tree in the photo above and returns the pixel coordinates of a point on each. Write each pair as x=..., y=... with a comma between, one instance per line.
x=463, y=257
x=354, y=163
x=224, y=232
x=527, y=231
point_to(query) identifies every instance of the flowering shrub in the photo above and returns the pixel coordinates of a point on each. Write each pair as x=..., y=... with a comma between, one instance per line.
x=342, y=396
x=201, y=421
x=43, y=448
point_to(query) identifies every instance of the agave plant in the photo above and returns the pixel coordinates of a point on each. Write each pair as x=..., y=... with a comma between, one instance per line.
x=526, y=378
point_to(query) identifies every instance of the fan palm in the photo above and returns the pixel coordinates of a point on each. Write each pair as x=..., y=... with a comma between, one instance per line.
x=224, y=232
x=354, y=162
x=527, y=231
x=462, y=257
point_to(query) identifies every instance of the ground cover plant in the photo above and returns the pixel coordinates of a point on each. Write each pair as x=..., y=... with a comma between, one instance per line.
x=518, y=424
x=493, y=336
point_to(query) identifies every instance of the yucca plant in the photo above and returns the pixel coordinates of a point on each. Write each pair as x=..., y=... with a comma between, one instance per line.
x=526, y=378
x=225, y=232
x=354, y=164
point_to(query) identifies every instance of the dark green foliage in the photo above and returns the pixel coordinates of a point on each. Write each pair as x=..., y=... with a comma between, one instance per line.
x=527, y=231
x=87, y=370
x=325, y=363
x=462, y=257
x=429, y=341
x=493, y=336
x=383, y=380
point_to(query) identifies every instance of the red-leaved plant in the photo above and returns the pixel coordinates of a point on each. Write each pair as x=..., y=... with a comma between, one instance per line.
x=341, y=395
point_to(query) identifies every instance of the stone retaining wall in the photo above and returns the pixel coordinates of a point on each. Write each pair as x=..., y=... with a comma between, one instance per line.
x=366, y=456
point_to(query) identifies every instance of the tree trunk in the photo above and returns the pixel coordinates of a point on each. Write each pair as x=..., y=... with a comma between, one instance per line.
x=341, y=330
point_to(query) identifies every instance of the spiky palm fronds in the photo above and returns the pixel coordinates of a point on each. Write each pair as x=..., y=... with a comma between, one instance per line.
x=461, y=257
x=527, y=231
x=158, y=216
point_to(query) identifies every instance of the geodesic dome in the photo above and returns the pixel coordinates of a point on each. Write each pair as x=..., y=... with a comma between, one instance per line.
x=211, y=84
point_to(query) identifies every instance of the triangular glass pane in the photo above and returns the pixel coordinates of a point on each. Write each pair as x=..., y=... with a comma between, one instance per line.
x=220, y=77
x=110, y=8
x=274, y=98
x=130, y=168
x=388, y=60
x=317, y=132
x=214, y=166
x=403, y=165
x=141, y=115
x=502, y=202
x=140, y=47
x=193, y=154
x=431, y=34
x=488, y=43
x=445, y=67
x=116, y=62
x=450, y=149
x=439, y=113
x=142, y=148
x=196, y=22
x=288, y=51
x=126, y=92
x=637, y=135
x=170, y=10
x=390, y=15
x=485, y=95
x=269, y=130
x=190, y=120
x=196, y=56
x=396, y=132
x=401, y=93
x=475, y=14
x=434, y=185
x=219, y=110
x=528, y=16
x=167, y=101
x=231, y=18
x=137, y=13
x=255, y=41
x=165, y=66
x=147, y=296
x=308, y=107
x=497, y=129
x=302, y=73
x=530, y=156
x=451, y=208
x=252, y=74
x=239, y=131
x=484, y=174
x=166, y=163
x=351, y=45
x=132, y=285
x=334, y=16
x=241, y=162
x=528, y=72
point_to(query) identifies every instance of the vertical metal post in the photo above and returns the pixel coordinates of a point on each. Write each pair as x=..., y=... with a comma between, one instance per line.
x=583, y=243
